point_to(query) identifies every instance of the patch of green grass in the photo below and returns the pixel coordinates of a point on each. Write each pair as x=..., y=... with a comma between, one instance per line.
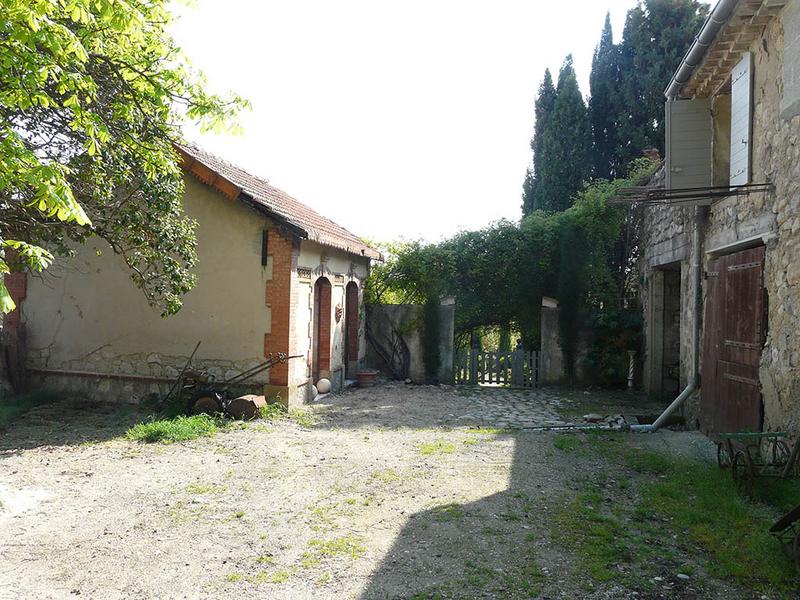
x=272, y=412
x=261, y=576
x=478, y=575
x=16, y=406
x=679, y=498
x=265, y=559
x=386, y=475
x=567, y=443
x=511, y=516
x=599, y=539
x=485, y=576
x=324, y=578
x=205, y=488
x=278, y=412
x=448, y=512
x=180, y=513
x=349, y=546
x=324, y=515
x=436, y=447
x=304, y=418
x=704, y=501
x=179, y=429
x=277, y=576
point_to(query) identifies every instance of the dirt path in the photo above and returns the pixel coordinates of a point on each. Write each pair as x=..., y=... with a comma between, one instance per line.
x=390, y=495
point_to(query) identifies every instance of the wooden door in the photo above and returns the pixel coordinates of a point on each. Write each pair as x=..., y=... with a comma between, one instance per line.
x=734, y=333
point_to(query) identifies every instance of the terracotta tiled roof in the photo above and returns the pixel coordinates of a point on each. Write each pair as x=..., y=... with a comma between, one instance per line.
x=237, y=183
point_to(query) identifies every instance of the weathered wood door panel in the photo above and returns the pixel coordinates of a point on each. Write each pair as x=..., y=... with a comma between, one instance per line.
x=733, y=340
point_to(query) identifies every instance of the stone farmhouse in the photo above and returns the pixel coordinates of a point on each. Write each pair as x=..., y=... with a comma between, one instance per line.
x=721, y=236
x=272, y=276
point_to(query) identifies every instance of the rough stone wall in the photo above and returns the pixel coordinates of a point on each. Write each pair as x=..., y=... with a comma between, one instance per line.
x=776, y=158
x=772, y=217
x=666, y=241
x=776, y=219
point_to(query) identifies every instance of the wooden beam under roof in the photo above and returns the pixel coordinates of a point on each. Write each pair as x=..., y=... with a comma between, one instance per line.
x=742, y=29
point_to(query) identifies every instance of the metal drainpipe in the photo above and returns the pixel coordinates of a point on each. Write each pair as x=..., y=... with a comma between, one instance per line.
x=698, y=305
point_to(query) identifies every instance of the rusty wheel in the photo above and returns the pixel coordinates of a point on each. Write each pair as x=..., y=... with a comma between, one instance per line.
x=779, y=453
x=740, y=467
x=206, y=404
x=723, y=456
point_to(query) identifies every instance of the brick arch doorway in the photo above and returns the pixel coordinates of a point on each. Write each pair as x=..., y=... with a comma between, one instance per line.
x=321, y=349
x=351, y=330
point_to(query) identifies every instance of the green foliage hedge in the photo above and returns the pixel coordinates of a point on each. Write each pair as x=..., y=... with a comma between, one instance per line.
x=499, y=274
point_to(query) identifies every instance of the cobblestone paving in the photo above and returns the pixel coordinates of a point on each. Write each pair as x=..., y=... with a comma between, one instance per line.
x=485, y=406
x=515, y=409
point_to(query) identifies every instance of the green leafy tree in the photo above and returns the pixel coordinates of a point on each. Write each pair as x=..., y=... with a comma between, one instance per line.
x=543, y=108
x=656, y=36
x=603, y=109
x=566, y=145
x=92, y=97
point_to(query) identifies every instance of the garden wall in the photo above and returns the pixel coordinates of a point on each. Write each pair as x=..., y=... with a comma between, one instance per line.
x=395, y=341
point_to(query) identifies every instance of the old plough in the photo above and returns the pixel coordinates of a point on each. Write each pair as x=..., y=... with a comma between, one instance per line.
x=765, y=454
x=202, y=393
x=762, y=454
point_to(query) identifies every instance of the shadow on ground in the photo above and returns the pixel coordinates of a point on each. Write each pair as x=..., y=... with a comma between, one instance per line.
x=506, y=545
x=67, y=422
x=502, y=546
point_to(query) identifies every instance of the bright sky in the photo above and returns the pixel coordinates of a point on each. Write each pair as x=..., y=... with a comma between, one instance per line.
x=395, y=119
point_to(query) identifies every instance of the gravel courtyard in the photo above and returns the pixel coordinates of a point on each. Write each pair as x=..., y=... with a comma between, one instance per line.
x=395, y=492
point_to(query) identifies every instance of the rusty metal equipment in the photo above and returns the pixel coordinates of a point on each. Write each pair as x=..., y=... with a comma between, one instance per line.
x=751, y=455
x=787, y=531
x=208, y=396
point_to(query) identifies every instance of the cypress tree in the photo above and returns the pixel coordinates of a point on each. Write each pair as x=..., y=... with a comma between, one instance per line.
x=566, y=146
x=603, y=83
x=543, y=107
x=656, y=36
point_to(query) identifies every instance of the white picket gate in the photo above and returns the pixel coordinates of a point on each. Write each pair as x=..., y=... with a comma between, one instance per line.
x=519, y=368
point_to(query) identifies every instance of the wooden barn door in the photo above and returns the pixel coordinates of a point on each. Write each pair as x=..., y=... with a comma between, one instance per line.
x=734, y=332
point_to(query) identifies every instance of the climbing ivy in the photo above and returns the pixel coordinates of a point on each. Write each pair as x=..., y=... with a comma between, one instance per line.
x=431, y=328
x=499, y=274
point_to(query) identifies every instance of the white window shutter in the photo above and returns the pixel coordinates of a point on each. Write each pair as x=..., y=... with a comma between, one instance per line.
x=741, y=103
x=688, y=143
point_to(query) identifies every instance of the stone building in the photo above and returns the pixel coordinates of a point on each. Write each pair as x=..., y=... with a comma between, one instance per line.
x=272, y=276
x=721, y=238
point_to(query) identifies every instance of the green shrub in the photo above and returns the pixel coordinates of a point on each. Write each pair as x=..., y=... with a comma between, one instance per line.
x=273, y=412
x=174, y=430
